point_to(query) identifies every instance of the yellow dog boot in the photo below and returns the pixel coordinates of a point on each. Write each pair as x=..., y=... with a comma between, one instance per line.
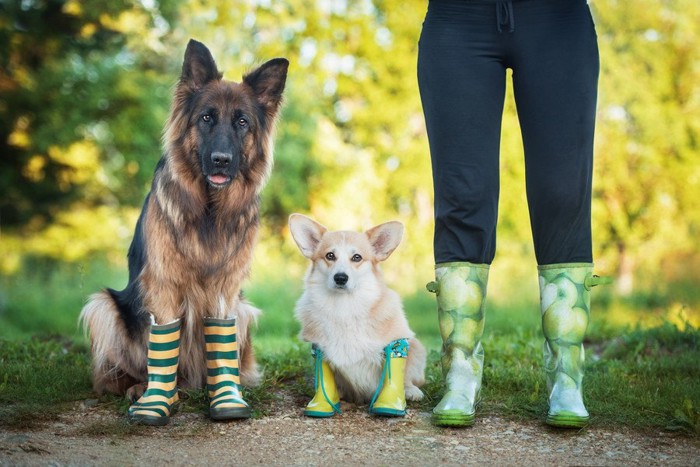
x=565, y=304
x=390, y=398
x=155, y=405
x=326, y=401
x=223, y=379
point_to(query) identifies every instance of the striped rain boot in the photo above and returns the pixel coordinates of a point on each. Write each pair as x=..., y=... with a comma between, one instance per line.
x=565, y=305
x=155, y=405
x=460, y=289
x=390, y=398
x=326, y=401
x=223, y=379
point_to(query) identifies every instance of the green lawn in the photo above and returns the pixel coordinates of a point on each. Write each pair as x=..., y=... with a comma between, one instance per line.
x=643, y=375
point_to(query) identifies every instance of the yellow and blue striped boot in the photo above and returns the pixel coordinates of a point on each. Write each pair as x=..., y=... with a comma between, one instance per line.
x=390, y=398
x=326, y=401
x=565, y=305
x=155, y=405
x=461, y=290
x=223, y=379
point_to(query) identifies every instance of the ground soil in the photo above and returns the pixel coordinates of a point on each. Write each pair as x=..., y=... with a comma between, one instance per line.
x=90, y=434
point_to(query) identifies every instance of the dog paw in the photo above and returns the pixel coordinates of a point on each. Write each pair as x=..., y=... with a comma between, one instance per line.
x=251, y=378
x=135, y=392
x=413, y=393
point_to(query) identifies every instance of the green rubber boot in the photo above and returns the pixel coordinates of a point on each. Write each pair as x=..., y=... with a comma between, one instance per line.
x=460, y=289
x=565, y=304
x=155, y=405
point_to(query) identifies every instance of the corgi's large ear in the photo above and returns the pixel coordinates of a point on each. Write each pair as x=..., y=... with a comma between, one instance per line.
x=306, y=232
x=384, y=238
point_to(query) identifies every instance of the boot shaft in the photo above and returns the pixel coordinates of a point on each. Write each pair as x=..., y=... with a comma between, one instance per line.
x=461, y=292
x=221, y=345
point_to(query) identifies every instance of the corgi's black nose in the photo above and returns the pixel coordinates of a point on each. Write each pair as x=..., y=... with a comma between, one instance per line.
x=340, y=278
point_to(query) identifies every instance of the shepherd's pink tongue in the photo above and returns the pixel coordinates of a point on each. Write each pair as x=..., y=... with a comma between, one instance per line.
x=218, y=179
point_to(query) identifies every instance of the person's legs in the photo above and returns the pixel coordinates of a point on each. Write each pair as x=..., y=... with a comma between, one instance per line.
x=555, y=78
x=461, y=78
x=462, y=85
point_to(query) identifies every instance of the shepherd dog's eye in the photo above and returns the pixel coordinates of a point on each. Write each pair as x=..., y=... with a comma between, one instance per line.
x=206, y=118
x=242, y=122
x=330, y=256
x=356, y=258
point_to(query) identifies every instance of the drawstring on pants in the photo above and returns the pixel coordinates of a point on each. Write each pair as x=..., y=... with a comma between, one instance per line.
x=504, y=15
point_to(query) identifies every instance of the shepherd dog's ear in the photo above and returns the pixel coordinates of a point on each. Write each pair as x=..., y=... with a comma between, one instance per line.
x=199, y=66
x=267, y=81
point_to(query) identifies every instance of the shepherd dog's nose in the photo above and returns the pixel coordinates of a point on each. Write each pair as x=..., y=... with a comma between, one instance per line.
x=221, y=159
x=340, y=278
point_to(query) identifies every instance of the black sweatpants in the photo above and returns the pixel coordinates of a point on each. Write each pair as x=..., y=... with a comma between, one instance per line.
x=465, y=48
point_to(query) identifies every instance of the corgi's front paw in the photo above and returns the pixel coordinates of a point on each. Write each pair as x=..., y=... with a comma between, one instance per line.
x=413, y=393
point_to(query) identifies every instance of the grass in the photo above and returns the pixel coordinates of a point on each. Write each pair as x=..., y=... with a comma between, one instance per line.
x=643, y=376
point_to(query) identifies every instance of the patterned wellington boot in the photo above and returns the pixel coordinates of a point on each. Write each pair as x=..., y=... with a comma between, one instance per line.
x=223, y=379
x=155, y=405
x=326, y=401
x=565, y=305
x=460, y=289
x=390, y=398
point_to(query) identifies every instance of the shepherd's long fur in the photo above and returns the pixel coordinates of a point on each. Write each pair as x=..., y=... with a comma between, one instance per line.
x=194, y=240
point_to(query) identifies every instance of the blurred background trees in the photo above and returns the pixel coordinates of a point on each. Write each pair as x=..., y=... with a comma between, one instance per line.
x=85, y=88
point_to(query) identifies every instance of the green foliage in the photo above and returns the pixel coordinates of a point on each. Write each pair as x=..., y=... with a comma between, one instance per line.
x=39, y=378
x=81, y=107
x=46, y=299
x=84, y=92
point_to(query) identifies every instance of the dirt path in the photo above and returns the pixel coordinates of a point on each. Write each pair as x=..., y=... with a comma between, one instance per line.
x=90, y=436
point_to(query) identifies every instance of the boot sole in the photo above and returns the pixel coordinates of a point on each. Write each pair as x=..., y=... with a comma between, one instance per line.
x=230, y=414
x=312, y=414
x=567, y=421
x=453, y=420
x=384, y=412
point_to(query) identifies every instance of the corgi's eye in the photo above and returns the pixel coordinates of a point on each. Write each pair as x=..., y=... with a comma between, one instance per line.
x=330, y=256
x=356, y=258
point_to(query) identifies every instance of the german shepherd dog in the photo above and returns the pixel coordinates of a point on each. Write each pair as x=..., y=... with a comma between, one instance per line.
x=193, y=243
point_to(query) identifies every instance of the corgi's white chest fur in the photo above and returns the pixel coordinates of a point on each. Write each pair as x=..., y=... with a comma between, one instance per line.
x=340, y=325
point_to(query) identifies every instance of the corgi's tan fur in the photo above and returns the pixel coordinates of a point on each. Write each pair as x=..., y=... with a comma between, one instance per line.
x=348, y=310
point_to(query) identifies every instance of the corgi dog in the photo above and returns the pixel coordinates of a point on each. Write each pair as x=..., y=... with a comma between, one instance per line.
x=348, y=312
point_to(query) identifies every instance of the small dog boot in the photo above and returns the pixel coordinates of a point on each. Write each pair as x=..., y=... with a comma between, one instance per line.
x=390, y=398
x=461, y=290
x=565, y=306
x=223, y=379
x=326, y=401
x=155, y=405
